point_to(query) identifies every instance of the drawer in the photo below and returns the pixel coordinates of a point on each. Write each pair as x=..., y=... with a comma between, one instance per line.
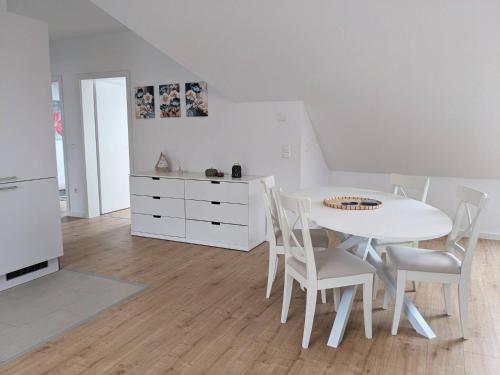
x=219, y=191
x=166, y=226
x=155, y=186
x=142, y=204
x=229, y=213
x=217, y=234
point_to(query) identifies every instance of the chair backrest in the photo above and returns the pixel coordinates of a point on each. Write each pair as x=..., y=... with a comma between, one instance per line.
x=298, y=209
x=415, y=187
x=466, y=225
x=272, y=220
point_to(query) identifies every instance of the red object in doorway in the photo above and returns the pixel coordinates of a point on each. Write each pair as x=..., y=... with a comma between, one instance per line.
x=58, y=123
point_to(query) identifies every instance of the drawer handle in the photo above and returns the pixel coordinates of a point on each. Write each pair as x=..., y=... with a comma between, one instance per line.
x=156, y=197
x=215, y=182
x=215, y=223
x=215, y=202
x=8, y=188
x=8, y=178
x=157, y=216
x=155, y=178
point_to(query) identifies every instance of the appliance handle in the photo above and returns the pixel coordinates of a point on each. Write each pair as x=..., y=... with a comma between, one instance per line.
x=8, y=178
x=9, y=188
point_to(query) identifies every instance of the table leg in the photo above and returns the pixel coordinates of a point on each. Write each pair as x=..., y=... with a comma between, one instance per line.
x=350, y=241
x=365, y=249
x=348, y=295
x=416, y=319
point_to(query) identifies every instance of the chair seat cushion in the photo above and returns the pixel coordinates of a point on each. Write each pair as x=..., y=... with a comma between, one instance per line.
x=319, y=237
x=333, y=263
x=423, y=260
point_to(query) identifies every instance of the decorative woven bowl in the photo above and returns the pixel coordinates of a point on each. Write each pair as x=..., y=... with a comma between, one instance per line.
x=352, y=203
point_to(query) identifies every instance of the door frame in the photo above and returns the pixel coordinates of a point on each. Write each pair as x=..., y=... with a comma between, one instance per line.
x=94, y=76
x=59, y=80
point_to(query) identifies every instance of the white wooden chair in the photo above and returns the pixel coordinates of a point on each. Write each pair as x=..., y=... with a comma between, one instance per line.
x=415, y=187
x=442, y=266
x=275, y=237
x=318, y=270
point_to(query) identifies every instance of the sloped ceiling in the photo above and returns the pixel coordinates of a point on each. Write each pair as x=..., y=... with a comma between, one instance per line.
x=389, y=85
x=67, y=18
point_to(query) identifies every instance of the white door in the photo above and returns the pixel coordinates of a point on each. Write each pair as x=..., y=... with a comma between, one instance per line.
x=112, y=143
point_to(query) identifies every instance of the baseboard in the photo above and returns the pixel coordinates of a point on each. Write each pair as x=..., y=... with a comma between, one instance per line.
x=490, y=236
x=77, y=214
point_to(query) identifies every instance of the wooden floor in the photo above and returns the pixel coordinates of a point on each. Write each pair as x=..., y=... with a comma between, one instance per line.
x=205, y=312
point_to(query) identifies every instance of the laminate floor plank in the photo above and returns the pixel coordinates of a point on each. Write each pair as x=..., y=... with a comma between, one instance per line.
x=204, y=312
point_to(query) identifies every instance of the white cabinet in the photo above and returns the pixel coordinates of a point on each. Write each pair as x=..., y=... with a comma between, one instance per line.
x=30, y=231
x=27, y=148
x=30, y=223
x=190, y=207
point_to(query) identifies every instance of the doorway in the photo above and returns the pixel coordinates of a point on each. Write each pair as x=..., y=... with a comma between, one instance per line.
x=57, y=116
x=105, y=112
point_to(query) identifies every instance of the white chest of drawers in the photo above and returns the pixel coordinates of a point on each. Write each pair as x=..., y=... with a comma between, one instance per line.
x=190, y=207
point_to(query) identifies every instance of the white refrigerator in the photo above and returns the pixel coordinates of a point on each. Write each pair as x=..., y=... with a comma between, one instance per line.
x=30, y=225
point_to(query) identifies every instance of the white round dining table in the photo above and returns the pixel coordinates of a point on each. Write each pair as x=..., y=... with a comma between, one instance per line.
x=398, y=219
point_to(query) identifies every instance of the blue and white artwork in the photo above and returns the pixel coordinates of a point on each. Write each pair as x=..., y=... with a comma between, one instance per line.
x=170, y=100
x=196, y=99
x=144, y=102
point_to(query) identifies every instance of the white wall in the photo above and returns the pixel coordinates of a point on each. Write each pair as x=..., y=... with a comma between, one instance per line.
x=248, y=133
x=313, y=168
x=416, y=79
x=441, y=194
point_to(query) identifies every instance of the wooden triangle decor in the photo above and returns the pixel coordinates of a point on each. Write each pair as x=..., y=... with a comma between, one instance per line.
x=162, y=163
